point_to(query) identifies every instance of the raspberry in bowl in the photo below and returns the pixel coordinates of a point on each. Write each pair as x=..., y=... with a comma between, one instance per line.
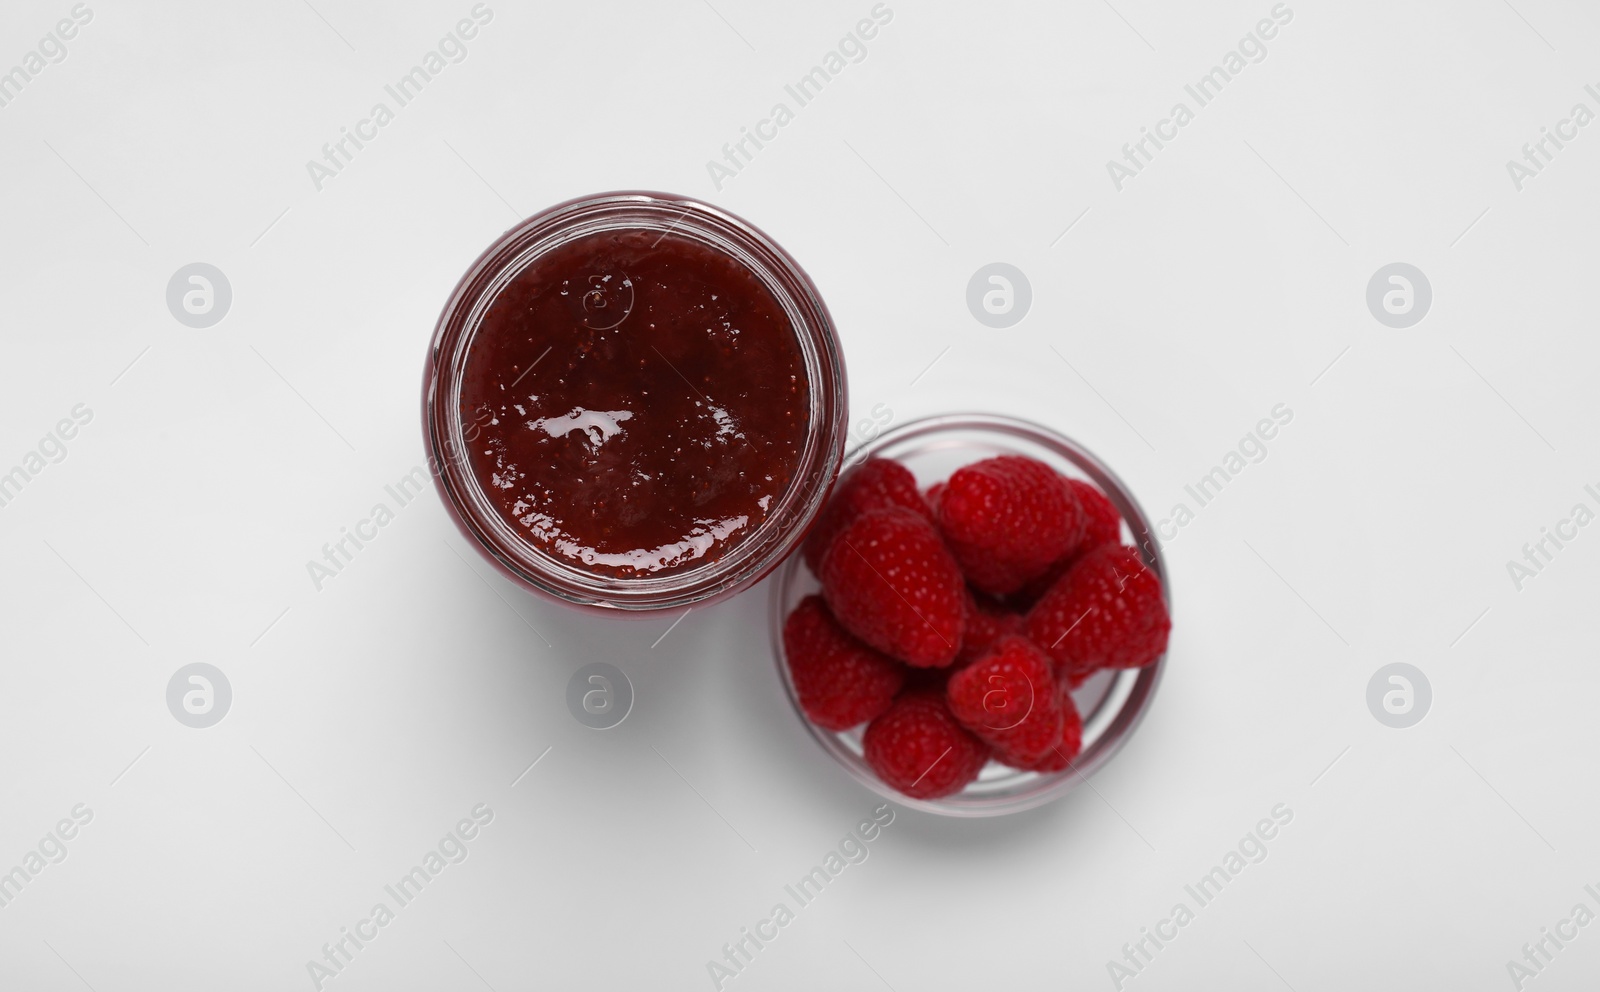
x=634, y=402
x=978, y=619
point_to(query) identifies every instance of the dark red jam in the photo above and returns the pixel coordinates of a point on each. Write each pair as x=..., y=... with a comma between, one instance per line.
x=635, y=403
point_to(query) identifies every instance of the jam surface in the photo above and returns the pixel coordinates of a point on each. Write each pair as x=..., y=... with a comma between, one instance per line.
x=635, y=403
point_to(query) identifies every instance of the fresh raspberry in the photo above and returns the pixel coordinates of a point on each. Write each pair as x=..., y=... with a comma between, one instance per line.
x=872, y=485
x=986, y=624
x=918, y=747
x=1060, y=756
x=1106, y=612
x=1007, y=518
x=891, y=582
x=932, y=497
x=1010, y=699
x=1102, y=525
x=1102, y=521
x=840, y=681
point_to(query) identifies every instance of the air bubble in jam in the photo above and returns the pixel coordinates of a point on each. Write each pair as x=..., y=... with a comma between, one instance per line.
x=662, y=410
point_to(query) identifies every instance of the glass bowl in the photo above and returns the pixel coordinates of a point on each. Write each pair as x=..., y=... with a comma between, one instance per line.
x=1111, y=701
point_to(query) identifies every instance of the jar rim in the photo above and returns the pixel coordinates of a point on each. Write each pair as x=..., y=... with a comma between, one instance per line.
x=745, y=561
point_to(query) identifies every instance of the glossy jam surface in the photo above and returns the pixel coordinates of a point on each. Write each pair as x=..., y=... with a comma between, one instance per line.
x=635, y=403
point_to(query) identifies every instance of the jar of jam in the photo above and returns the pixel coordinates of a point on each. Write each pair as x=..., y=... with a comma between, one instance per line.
x=634, y=402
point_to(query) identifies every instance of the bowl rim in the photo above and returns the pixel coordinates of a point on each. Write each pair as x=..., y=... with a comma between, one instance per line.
x=1136, y=687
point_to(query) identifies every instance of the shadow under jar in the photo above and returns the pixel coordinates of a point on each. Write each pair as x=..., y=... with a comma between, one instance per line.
x=634, y=402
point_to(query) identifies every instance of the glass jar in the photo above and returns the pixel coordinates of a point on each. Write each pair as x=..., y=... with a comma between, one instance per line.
x=737, y=564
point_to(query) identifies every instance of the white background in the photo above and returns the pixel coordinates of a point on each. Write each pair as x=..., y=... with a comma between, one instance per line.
x=1229, y=276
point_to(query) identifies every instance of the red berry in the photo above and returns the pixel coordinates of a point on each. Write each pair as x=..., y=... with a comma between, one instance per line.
x=986, y=624
x=1007, y=518
x=918, y=747
x=1106, y=612
x=1102, y=521
x=872, y=485
x=1009, y=698
x=932, y=496
x=1060, y=756
x=891, y=582
x=1102, y=525
x=840, y=681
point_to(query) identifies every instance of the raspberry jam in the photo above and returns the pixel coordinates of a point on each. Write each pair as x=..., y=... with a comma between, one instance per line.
x=634, y=402
x=637, y=402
